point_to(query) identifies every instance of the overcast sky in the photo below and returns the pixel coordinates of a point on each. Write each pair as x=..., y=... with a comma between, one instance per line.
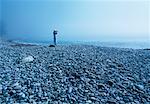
x=85, y=20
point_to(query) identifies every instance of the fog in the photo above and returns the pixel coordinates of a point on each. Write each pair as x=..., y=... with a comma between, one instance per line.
x=0, y=17
x=80, y=20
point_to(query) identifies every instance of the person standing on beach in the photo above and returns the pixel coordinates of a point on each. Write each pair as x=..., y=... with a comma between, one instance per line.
x=55, y=33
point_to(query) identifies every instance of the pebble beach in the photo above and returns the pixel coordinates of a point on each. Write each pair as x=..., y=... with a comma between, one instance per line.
x=73, y=74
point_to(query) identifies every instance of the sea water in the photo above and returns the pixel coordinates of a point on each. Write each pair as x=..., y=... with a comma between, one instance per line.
x=120, y=44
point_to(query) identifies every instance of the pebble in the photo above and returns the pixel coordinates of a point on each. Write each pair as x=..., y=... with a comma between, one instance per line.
x=1, y=89
x=70, y=89
x=140, y=87
x=118, y=98
x=28, y=59
x=110, y=82
x=111, y=101
x=100, y=86
x=88, y=101
x=22, y=94
x=37, y=84
x=93, y=98
x=101, y=75
x=17, y=86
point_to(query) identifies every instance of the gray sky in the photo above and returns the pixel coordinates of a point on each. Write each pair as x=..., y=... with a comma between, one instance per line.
x=0, y=16
x=85, y=20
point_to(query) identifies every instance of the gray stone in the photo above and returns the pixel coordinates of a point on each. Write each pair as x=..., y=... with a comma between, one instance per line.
x=100, y=86
x=22, y=94
x=140, y=87
x=70, y=89
x=88, y=101
x=27, y=59
x=93, y=98
x=1, y=89
x=85, y=74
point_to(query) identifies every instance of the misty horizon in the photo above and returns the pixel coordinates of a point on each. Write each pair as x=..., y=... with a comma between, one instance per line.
x=110, y=20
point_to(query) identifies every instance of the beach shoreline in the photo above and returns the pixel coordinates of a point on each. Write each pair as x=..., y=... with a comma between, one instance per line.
x=73, y=74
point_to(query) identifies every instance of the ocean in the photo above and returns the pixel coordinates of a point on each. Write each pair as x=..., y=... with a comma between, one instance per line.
x=121, y=44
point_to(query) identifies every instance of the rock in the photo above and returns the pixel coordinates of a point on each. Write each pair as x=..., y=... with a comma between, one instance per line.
x=121, y=102
x=37, y=84
x=1, y=89
x=16, y=86
x=51, y=45
x=100, y=86
x=108, y=60
x=93, y=98
x=148, y=81
x=88, y=101
x=110, y=82
x=137, y=102
x=118, y=98
x=119, y=65
x=50, y=65
x=126, y=99
x=22, y=94
x=144, y=80
x=70, y=89
x=73, y=99
x=111, y=101
x=74, y=78
x=86, y=91
x=34, y=102
x=76, y=75
x=140, y=87
x=112, y=66
x=27, y=59
x=17, y=69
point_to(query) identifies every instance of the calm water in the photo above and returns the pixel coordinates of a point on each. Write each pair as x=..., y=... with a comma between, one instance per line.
x=127, y=44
